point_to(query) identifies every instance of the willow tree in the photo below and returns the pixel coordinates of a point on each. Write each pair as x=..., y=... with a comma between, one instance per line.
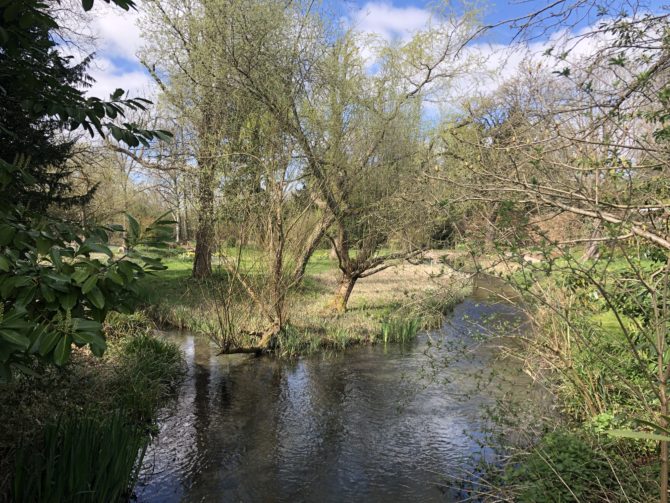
x=250, y=172
x=355, y=122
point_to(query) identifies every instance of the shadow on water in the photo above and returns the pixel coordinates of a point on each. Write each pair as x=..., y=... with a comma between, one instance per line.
x=371, y=424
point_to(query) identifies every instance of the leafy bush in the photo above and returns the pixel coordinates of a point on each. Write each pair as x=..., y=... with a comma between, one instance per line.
x=55, y=291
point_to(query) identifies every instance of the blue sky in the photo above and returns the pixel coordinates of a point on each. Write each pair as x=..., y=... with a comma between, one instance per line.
x=119, y=37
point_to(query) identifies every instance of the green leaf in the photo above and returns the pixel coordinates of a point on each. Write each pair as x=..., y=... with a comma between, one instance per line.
x=638, y=435
x=90, y=338
x=48, y=294
x=134, y=230
x=98, y=350
x=7, y=287
x=115, y=277
x=68, y=301
x=97, y=248
x=87, y=4
x=43, y=245
x=20, y=281
x=89, y=284
x=15, y=338
x=15, y=321
x=48, y=341
x=96, y=297
x=26, y=295
x=80, y=324
x=62, y=351
x=6, y=234
x=128, y=269
x=80, y=275
x=4, y=263
x=56, y=257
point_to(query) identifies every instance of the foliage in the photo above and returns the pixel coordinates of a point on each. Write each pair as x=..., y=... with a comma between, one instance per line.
x=81, y=459
x=40, y=86
x=150, y=371
x=58, y=282
x=138, y=374
x=562, y=467
x=53, y=290
x=118, y=325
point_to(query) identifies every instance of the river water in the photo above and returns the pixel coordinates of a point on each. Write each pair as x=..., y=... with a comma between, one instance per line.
x=395, y=423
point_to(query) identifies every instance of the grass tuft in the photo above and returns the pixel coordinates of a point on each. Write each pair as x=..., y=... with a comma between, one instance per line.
x=80, y=459
x=400, y=330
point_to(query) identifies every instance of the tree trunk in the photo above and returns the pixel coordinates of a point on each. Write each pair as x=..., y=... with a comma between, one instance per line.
x=202, y=263
x=593, y=250
x=332, y=254
x=187, y=230
x=310, y=248
x=344, y=292
x=204, y=237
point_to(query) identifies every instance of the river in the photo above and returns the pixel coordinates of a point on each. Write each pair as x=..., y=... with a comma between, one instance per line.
x=374, y=423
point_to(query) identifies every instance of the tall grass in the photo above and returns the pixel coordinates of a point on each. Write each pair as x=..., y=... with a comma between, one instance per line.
x=149, y=370
x=400, y=330
x=290, y=342
x=81, y=459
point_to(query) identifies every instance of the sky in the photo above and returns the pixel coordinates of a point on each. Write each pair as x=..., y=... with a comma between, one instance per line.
x=119, y=40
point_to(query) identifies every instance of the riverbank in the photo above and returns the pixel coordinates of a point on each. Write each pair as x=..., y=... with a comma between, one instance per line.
x=417, y=294
x=579, y=350
x=87, y=423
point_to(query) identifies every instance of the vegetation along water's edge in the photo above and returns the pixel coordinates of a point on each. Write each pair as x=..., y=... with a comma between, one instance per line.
x=296, y=178
x=390, y=306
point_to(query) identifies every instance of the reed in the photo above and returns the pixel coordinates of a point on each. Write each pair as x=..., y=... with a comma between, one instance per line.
x=400, y=330
x=81, y=459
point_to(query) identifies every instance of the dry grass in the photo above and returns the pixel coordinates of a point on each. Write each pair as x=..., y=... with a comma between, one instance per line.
x=403, y=288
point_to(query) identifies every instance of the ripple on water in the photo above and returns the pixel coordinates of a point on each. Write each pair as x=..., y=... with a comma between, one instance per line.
x=358, y=427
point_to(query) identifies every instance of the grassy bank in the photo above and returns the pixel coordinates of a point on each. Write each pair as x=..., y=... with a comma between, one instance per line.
x=387, y=305
x=580, y=353
x=78, y=432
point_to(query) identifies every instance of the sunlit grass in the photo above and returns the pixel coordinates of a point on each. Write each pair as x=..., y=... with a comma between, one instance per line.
x=174, y=299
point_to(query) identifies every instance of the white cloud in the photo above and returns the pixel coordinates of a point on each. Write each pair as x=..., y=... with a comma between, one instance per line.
x=117, y=31
x=109, y=77
x=115, y=37
x=390, y=22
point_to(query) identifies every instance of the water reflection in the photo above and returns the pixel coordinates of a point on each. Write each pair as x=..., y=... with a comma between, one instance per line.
x=359, y=426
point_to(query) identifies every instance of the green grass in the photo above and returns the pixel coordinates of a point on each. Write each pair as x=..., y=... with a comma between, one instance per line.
x=80, y=460
x=136, y=376
x=174, y=299
x=400, y=330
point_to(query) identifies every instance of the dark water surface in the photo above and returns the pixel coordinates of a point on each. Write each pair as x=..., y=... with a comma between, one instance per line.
x=371, y=424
